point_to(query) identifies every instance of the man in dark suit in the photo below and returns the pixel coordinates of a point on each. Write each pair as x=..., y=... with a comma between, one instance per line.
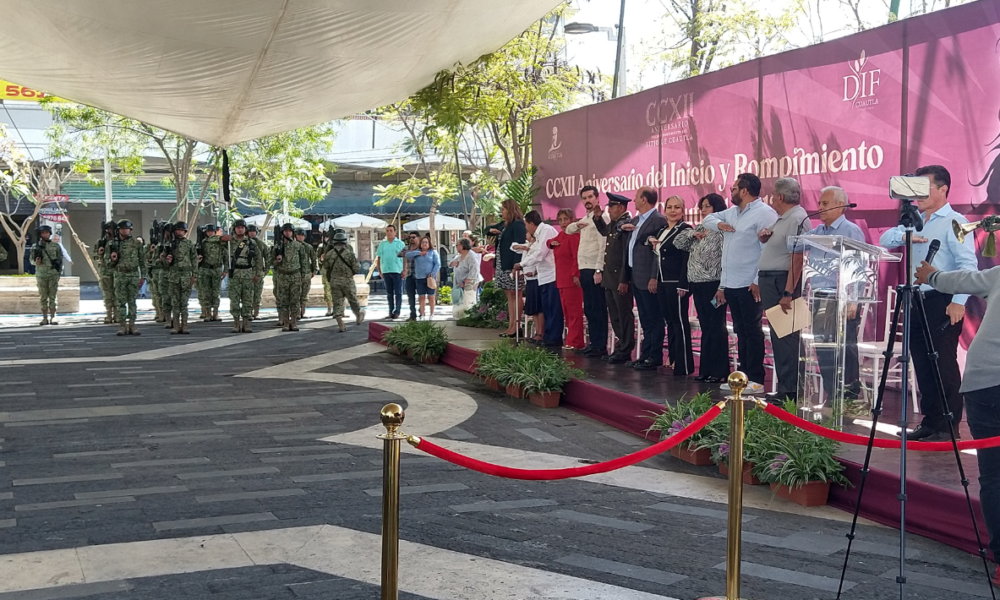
x=642, y=274
x=609, y=276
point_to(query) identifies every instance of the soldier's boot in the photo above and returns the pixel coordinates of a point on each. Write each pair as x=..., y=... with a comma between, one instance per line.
x=175, y=323
x=107, y=316
x=237, y=325
x=184, y=325
x=45, y=317
x=329, y=309
x=256, y=313
x=360, y=315
x=340, y=324
x=246, y=326
x=282, y=317
x=286, y=324
x=131, y=328
x=291, y=324
x=52, y=317
x=302, y=311
x=215, y=314
x=122, y=328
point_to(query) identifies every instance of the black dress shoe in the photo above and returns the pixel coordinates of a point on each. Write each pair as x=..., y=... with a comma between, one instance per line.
x=702, y=378
x=921, y=433
x=584, y=351
x=632, y=363
x=616, y=359
x=596, y=353
x=646, y=365
x=938, y=436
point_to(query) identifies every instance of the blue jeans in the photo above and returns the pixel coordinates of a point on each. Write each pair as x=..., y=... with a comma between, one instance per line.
x=411, y=295
x=552, y=309
x=394, y=290
x=982, y=409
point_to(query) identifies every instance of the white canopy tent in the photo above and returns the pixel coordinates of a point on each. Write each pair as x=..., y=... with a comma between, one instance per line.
x=353, y=221
x=278, y=219
x=226, y=71
x=441, y=223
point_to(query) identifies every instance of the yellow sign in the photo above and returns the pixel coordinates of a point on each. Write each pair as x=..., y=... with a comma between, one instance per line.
x=12, y=91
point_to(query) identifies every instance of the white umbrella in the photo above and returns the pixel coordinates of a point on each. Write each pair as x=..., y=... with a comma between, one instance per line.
x=278, y=219
x=354, y=221
x=441, y=223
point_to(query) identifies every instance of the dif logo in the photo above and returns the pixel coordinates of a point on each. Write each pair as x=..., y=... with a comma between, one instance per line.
x=859, y=87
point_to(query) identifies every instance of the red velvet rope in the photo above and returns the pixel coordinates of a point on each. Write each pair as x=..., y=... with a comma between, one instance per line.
x=553, y=474
x=862, y=440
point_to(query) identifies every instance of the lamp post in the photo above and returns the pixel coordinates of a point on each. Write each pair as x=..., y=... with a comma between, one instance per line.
x=618, y=85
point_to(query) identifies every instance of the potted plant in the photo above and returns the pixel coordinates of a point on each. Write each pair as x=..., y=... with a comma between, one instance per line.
x=799, y=466
x=398, y=339
x=491, y=362
x=680, y=415
x=428, y=343
x=546, y=376
x=491, y=310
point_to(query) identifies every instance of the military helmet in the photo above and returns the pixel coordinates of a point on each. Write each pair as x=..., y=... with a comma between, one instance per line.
x=250, y=228
x=288, y=227
x=180, y=225
x=300, y=231
x=340, y=237
x=43, y=228
x=124, y=224
x=240, y=223
x=210, y=227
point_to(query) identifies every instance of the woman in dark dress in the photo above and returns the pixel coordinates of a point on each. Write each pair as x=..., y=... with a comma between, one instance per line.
x=509, y=232
x=673, y=292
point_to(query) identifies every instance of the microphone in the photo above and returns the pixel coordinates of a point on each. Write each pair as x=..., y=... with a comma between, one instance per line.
x=819, y=212
x=932, y=251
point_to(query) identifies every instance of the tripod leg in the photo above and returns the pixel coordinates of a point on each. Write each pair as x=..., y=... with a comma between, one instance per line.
x=932, y=354
x=876, y=413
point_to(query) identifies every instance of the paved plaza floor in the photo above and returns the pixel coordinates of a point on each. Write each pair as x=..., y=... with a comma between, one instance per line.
x=226, y=466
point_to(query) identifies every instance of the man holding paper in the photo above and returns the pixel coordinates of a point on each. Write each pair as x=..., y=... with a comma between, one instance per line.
x=832, y=201
x=778, y=273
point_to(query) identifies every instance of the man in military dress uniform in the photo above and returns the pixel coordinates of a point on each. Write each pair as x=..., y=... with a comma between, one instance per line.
x=47, y=256
x=101, y=256
x=609, y=276
x=291, y=264
x=339, y=265
x=181, y=262
x=258, y=287
x=300, y=236
x=128, y=261
x=212, y=265
x=247, y=262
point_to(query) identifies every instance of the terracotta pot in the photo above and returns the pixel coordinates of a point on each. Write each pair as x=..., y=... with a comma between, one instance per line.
x=409, y=353
x=701, y=458
x=546, y=399
x=515, y=391
x=748, y=477
x=393, y=350
x=492, y=383
x=813, y=493
x=431, y=360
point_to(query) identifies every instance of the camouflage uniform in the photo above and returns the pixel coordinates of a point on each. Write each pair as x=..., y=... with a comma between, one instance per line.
x=129, y=268
x=258, y=289
x=180, y=276
x=288, y=274
x=47, y=272
x=247, y=266
x=307, y=278
x=213, y=263
x=105, y=279
x=339, y=265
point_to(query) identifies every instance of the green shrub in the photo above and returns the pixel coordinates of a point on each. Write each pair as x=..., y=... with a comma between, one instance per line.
x=534, y=369
x=683, y=413
x=428, y=341
x=444, y=295
x=491, y=310
x=793, y=457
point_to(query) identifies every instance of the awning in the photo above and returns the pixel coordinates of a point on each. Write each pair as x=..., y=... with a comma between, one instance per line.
x=278, y=219
x=226, y=71
x=441, y=223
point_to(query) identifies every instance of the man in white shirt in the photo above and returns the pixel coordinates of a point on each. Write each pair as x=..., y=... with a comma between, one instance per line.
x=589, y=258
x=540, y=259
x=741, y=249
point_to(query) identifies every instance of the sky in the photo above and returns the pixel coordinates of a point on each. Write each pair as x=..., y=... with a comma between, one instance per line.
x=647, y=20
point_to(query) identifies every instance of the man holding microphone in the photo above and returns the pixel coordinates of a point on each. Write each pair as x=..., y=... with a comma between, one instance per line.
x=982, y=394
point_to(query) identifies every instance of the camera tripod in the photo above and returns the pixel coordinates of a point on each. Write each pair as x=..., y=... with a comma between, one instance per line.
x=909, y=298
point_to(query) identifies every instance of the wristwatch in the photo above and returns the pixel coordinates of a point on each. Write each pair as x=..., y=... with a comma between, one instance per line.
x=786, y=294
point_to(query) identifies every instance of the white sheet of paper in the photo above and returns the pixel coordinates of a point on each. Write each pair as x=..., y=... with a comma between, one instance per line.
x=797, y=319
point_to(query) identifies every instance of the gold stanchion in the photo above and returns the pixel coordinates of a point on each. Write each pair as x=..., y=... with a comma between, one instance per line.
x=738, y=383
x=392, y=418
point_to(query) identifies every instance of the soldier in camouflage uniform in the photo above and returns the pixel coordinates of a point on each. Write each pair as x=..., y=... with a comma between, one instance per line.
x=339, y=265
x=47, y=256
x=247, y=262
x=101, y=257
x=212, y=266
x=128, y=261
x=182, y=261
x=300, y=236
x=291, y=264
x=258, y=287
x=327, y=244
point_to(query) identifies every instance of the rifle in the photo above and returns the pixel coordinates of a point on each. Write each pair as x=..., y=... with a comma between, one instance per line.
x=109, y=232
x=201, y=243
x=279, y=242
x=38, y=251
x=168, y=245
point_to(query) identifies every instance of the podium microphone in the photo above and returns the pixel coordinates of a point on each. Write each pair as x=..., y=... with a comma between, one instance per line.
x=932, y=251
x=819, y=212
